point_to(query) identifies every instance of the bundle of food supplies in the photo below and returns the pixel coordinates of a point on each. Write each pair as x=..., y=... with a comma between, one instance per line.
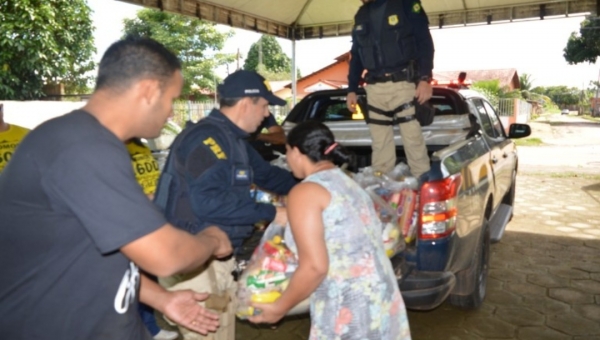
x=268, y=272
x=395, y=198
x=264, y=196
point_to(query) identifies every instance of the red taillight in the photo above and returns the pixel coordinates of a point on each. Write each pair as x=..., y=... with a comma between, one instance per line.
x=438, y=207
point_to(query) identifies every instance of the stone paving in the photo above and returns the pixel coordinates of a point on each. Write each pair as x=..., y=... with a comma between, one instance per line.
x=544, y=281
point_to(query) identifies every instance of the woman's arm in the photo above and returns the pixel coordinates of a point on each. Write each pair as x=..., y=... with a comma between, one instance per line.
x=306, y=203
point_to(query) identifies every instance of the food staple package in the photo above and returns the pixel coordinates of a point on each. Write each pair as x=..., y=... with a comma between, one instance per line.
x=268, y=272
x=395, y=198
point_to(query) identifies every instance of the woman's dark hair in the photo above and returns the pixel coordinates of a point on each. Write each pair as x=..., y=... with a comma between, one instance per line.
x=133, y=59
x=315, y=140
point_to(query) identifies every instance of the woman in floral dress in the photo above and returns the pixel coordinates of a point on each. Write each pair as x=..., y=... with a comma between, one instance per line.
x=337, y=238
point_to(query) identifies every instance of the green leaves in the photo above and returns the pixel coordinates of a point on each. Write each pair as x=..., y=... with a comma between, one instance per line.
x=276, y=65
x=585, y=45
x=561, y=95
x=197, y=44
x=44, y=42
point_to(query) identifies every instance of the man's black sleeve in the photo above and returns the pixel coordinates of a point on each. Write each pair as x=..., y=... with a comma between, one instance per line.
x=356, y=67
x=270, y=177
x=425, y=49
x=213, y=198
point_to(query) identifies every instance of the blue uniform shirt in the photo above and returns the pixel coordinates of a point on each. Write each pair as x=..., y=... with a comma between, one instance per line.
x=220, y=180
x=420, y=27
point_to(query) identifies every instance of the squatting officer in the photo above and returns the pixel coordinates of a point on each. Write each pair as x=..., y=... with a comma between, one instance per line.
x=207, y=179
x=391, y=41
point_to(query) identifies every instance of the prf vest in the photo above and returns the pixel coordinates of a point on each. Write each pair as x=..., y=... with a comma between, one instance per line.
x=394, y=48
x=173, y=191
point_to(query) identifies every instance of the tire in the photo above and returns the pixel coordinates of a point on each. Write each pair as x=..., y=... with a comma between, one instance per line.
x=479, y=276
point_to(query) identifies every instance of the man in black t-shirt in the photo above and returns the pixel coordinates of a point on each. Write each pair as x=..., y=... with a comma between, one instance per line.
x=75, y=224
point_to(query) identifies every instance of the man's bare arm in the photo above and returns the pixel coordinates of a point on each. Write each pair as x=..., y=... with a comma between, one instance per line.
x=179, y=306
x=169, y=250
x=275, y=136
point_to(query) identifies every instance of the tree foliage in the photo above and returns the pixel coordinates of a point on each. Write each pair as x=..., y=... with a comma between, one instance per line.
x=585, y=45
x=276, y=64
x=561, y=95
x=194, y=41
x=44, y=42
x=526, y=82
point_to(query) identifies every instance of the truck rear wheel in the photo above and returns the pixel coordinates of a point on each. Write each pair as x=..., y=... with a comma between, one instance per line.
x=480, y=274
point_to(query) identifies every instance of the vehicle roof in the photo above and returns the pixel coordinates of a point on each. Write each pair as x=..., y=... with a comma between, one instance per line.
x=468, y=93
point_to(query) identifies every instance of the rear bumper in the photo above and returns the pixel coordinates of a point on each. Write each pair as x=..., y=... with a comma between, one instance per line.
x=426, y=290
x=422, y=290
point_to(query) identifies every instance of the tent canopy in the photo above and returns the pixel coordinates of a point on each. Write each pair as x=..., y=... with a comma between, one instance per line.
x=308, y=19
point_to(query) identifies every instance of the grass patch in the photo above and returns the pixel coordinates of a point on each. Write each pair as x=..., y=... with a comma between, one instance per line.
x=534, y=141
x=591, y=119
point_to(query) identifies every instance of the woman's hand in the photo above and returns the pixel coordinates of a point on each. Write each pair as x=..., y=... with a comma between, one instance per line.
x=269, y=313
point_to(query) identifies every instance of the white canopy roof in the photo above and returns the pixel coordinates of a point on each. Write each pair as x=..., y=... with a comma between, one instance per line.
x=306, y=19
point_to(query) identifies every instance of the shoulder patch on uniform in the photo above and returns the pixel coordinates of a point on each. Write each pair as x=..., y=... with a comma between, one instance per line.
x=358, y=27
x=215, y=148
x=416, y=7
x=393, y=20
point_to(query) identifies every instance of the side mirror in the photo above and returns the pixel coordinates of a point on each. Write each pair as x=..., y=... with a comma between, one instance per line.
x=519, y=130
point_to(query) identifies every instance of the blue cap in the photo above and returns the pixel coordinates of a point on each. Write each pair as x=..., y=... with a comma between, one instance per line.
x=243, y=83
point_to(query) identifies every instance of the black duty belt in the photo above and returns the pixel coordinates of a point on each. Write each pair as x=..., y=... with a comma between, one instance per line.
x=392, y=114
x=402, y=75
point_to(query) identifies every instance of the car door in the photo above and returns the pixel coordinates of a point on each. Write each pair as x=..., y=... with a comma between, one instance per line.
x=502, y=157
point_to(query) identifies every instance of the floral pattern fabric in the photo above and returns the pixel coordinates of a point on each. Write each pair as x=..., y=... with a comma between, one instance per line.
x=359, y=298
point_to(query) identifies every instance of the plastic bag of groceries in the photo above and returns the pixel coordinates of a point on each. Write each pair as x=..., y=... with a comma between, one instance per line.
x=395, y=197
x=267, y=273
x=260, y=195
x=391, y=236
x=405, y=201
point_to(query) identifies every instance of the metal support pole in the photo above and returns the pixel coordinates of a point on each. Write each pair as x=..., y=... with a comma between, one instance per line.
x=294, y=72
x=596, y=107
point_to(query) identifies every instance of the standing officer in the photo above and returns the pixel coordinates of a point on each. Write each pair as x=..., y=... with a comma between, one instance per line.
x=207, y=179
x=391, y=40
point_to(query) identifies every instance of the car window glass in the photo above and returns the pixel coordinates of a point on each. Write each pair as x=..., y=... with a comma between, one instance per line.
x=484, y=119
x=496, y=123
x=443, y=105
x=334, y=109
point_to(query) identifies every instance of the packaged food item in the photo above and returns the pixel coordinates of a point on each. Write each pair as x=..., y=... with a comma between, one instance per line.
x=265, y=196
x=392, y=242
x=267, y=273
x=395, y=197
x=407, y=214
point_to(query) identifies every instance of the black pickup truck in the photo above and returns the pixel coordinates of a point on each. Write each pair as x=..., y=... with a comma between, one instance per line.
x=465, y=205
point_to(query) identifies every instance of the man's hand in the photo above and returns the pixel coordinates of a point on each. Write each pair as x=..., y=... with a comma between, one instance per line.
x=351, y=101
x=269, y=313
x=423, y=92
x=182, y=308
x=223, y=247
x=281, y=216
